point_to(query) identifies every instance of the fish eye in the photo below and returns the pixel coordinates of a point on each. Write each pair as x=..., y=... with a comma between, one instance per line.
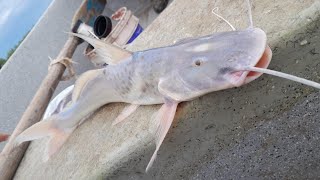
x=198, y=61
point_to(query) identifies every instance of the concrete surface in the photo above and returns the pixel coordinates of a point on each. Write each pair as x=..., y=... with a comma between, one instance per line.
x=267, y=129
x=282, y=147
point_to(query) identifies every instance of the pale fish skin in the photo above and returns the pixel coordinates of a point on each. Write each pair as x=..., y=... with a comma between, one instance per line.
x=167, y=75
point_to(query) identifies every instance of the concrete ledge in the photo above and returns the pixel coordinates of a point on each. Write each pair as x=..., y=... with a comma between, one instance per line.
x=266, y=129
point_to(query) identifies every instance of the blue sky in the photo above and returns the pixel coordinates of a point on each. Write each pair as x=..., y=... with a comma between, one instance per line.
x=16, y=18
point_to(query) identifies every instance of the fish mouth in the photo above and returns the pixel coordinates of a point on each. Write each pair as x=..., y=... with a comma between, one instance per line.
x=245, y=77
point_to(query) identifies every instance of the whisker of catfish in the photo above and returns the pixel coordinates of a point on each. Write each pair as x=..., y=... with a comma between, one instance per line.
x=250, y=14
x=284, y=75
x=222, y=18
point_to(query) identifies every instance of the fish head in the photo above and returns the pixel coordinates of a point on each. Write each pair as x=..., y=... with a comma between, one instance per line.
x=216, y=62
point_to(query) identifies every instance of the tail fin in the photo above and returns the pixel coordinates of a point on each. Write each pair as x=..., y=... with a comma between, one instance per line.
x=55, y=143
x=44, y=129
x=37, y=131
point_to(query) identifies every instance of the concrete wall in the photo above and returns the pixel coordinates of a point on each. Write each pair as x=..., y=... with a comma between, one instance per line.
x=266, y=129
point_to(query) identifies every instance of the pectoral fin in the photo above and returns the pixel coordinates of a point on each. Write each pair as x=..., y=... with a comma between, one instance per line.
x=56, y=141
x=164, y=117
x=127, y=111
x=111, y=53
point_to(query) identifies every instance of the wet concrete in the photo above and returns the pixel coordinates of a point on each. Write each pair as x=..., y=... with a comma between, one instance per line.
x=266, y=129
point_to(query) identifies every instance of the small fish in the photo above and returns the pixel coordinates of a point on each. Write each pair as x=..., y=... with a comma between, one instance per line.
x=168, y=75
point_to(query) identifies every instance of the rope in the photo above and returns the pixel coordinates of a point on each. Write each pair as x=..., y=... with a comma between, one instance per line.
x=67, y=62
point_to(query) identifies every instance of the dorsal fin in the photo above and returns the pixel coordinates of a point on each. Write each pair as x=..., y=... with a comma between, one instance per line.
x=112, y=54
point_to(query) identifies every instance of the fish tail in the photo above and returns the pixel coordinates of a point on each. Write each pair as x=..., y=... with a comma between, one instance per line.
x=45, y=128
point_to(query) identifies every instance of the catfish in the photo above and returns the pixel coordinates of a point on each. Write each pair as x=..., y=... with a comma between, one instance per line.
x=167, y=75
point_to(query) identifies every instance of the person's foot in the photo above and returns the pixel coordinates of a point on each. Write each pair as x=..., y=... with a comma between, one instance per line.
x=159, y=5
